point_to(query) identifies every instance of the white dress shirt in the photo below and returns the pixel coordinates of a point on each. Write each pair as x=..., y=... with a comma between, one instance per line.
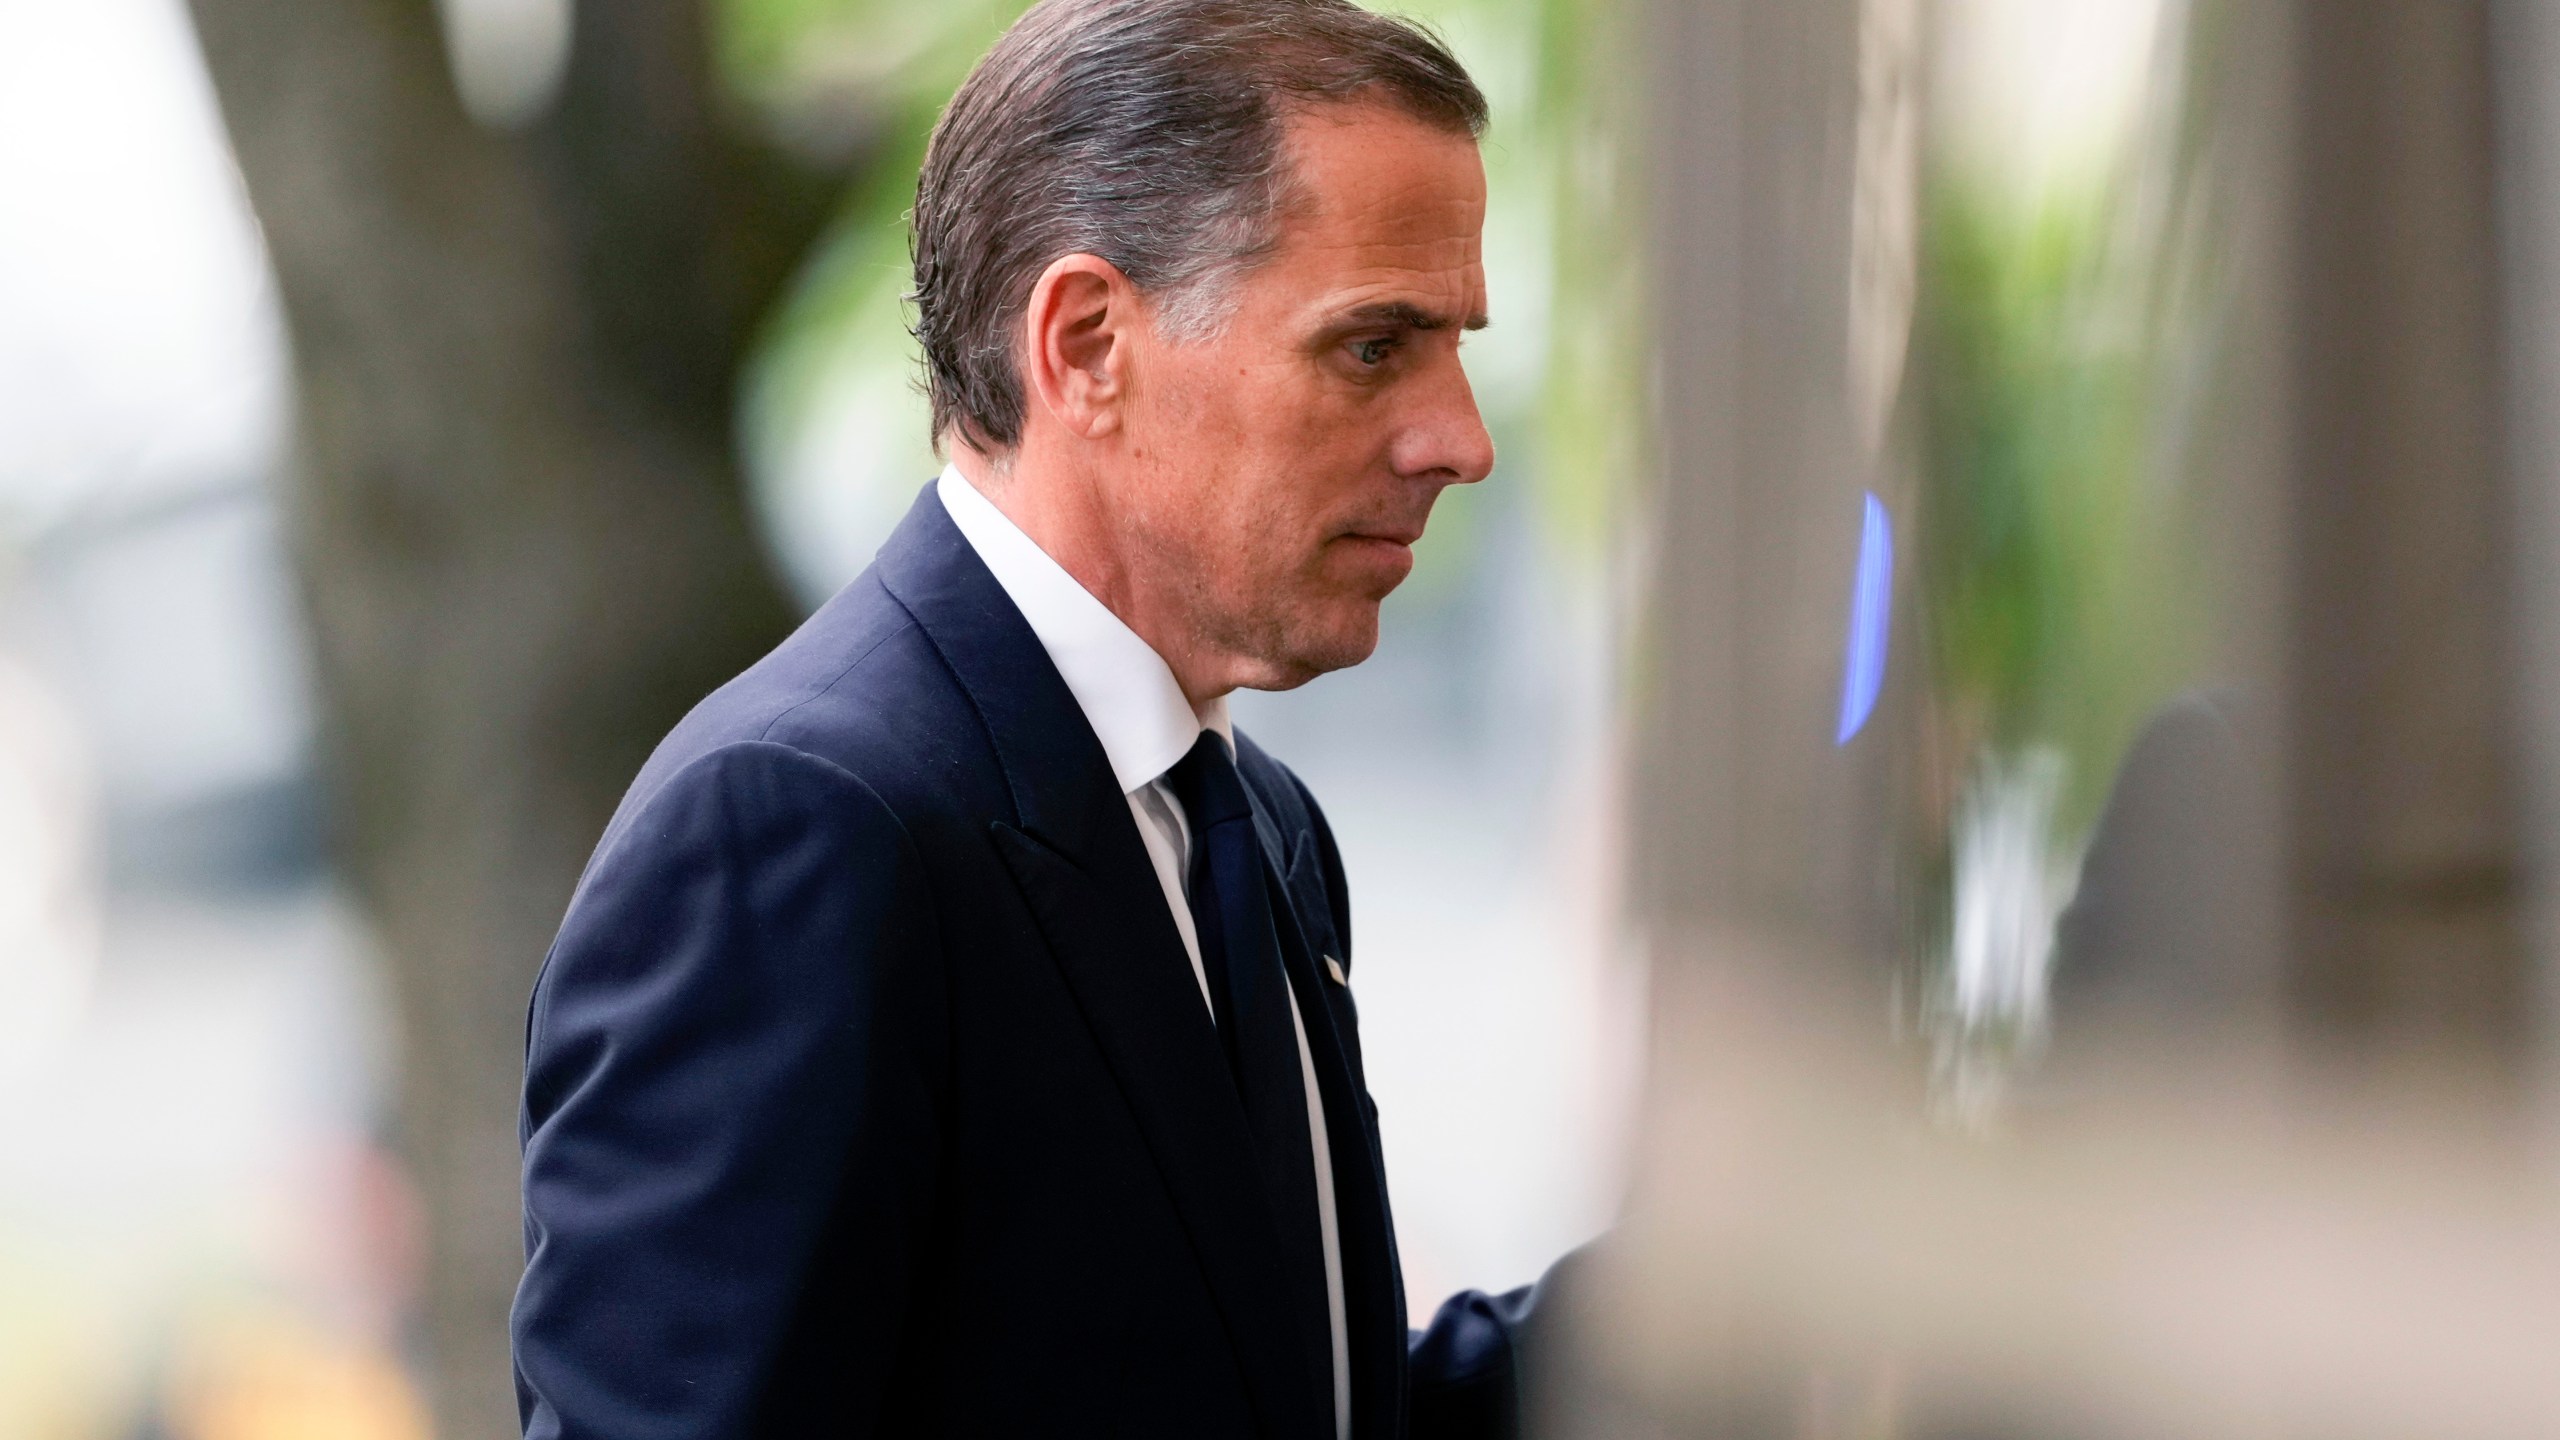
x=1146, y=725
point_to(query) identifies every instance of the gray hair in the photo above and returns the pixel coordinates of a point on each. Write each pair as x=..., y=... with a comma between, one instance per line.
x=1147, y=132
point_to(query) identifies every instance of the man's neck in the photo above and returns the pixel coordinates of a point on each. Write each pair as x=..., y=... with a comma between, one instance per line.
x=1067, y=515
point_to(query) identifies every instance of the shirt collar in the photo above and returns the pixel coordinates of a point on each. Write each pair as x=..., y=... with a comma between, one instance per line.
x=1127, y=692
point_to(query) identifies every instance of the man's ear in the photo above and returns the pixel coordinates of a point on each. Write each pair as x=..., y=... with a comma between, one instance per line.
x=1077, y=349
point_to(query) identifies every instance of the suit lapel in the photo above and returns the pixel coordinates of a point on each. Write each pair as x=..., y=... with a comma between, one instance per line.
x=1371, y=1285
x=1083, y=871
x=1306, y=895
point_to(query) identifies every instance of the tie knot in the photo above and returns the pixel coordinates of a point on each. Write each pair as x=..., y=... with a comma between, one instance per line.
x=1206, y=783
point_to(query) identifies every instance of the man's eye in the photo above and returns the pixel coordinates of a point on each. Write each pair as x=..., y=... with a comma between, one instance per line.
x=1372, y=352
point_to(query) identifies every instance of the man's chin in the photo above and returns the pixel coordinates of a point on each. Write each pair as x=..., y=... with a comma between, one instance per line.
x=1312, y=651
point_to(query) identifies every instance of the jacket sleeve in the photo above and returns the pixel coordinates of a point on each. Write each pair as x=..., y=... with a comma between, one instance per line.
x=730, y=1122
x=1474, y=1374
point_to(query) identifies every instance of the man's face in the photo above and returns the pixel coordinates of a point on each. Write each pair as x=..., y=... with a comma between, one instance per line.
x=1284, y=467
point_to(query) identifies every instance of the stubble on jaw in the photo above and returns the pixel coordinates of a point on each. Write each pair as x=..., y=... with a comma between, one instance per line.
x=1277, y=629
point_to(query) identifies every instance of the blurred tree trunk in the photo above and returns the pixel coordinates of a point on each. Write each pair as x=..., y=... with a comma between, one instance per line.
x=518, y=512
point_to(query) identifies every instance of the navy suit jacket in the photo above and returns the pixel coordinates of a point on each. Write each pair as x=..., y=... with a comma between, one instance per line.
x=869, y=1090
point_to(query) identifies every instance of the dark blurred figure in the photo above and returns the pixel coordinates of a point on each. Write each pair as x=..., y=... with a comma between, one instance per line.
x=2157, y=937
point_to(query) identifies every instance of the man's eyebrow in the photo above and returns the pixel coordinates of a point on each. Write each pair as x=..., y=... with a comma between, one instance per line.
x=1404, y=314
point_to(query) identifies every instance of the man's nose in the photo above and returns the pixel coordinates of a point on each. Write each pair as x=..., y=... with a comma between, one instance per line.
x=1444, y=438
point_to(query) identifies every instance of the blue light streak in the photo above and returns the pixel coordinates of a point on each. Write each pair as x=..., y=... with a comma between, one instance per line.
x=1870, y=623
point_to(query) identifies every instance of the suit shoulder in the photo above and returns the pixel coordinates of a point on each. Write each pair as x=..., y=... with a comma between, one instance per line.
x=750, y=795
x=857, y=687
x=860, y=646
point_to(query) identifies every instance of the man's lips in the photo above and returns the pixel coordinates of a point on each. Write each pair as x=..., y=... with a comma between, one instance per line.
x=1385, y=557
x=1387, y=536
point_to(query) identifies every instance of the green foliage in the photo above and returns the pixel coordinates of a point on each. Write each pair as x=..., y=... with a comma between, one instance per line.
x=898, y=57
x=2065, y=355
x=2064, y=595
x=897, y=63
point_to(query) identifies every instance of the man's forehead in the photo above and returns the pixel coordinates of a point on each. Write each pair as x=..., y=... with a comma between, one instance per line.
x=1389, y=222
x=1373, y=172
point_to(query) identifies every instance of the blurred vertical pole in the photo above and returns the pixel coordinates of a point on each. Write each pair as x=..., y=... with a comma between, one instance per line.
x=1756, y=837
x=2403, y=774
x=2527, y=49
x=1750, y=835
x=1750, y=831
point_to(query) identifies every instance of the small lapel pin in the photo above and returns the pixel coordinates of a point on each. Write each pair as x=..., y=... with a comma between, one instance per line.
x=1333, y=968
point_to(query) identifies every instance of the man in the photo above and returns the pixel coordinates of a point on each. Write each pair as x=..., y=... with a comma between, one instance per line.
x=953, y=1032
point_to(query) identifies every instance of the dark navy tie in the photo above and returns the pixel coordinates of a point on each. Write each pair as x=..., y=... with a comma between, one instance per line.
x=1249, y=990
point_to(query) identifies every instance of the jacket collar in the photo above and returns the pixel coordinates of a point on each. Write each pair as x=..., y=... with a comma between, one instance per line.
x=1127, y=692
x=1063, y=787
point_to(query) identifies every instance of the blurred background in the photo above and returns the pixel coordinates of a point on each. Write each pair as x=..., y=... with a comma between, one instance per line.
x=1977, y=793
